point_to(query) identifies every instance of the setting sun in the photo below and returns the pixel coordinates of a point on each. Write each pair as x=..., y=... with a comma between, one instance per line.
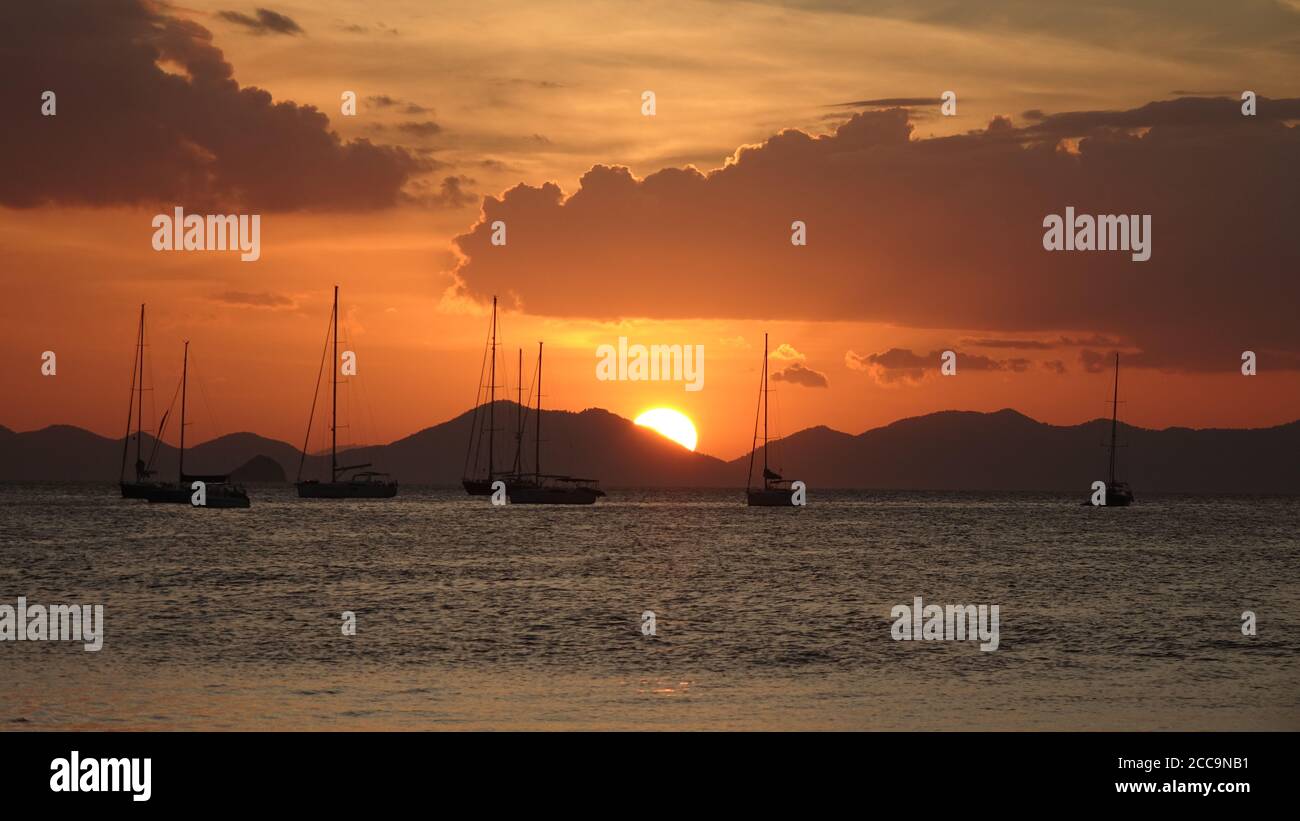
x=673, y=424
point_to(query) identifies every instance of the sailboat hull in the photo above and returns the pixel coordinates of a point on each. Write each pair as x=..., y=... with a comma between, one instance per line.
x=139, y=490
x=346, y=490
x=477, y=487
x=227, y=499
x=168, y=494
x=769, y=498
x=1118, y=495
x=217, y=495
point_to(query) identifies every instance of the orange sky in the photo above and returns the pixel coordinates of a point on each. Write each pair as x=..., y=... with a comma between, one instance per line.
x=496, y=95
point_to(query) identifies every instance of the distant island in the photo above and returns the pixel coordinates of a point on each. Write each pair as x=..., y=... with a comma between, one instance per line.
x=948, y=450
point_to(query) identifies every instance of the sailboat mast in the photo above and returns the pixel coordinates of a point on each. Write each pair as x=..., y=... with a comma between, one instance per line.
x=334, y=397
x=765, y=403
x=185, y=381
x=139, y=413
x=538, y=456
x=519, y=416
x=492, y=388
x=130, y=404
x=1114, y=414
x=753, y=443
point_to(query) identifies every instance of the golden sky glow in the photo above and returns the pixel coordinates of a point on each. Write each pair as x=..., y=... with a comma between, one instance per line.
x=497, y=95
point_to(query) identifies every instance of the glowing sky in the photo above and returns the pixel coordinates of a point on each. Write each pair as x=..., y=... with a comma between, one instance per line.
x=924, y=230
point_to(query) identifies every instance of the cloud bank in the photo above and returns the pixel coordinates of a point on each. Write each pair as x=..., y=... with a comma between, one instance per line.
x=938, y=233
x=149, y=113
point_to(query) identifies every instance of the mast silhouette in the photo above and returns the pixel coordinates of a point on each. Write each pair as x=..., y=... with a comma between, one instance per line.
x=139, y=410
x=519, y=416
x=475, y=483
x=185, y=378
x=775, y=490
x=368, y=484
x=538, y=444
x=135, y=403
x=492, y=393
x=1114, y=425
x=543, y=489
x=1117, y=493
x=334, y=395
x=765, y=406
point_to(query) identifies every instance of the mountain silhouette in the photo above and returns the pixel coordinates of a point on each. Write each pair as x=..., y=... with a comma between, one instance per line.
x=949, y=450
x=260, y=468
x=1006, y=450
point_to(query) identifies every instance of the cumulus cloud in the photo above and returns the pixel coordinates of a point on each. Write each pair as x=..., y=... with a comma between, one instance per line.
x=935, y=233
x=799, y=374
x=150, y=113
x=786, y=351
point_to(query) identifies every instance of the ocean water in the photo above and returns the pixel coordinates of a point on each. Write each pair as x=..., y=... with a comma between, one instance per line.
x=474, y=617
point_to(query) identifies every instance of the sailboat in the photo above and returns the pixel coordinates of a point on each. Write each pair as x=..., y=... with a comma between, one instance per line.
x=776, y=490
x=142, y=485
x=539, y=488
x=367, y=484
x=218, y=490
x=1118, y=494
x=475, y=483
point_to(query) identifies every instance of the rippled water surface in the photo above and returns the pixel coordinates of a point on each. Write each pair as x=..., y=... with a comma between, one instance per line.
x=526, y=617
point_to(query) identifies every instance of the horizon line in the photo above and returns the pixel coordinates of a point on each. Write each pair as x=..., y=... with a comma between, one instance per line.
x=114, y=438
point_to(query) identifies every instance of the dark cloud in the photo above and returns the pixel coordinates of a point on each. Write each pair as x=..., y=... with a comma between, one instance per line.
x=358, y=28
x=1039, y=344
x=452, y=194
x=903, y=365
x=799, y=374
x=428, y=128
x=1015, y=344
x=1207, y=113
x=265, y=22
x=937, y=233
x=1226, y=361
x=385, y=101
x=1056, y=366
x=129, y=131
x=1096, y=340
